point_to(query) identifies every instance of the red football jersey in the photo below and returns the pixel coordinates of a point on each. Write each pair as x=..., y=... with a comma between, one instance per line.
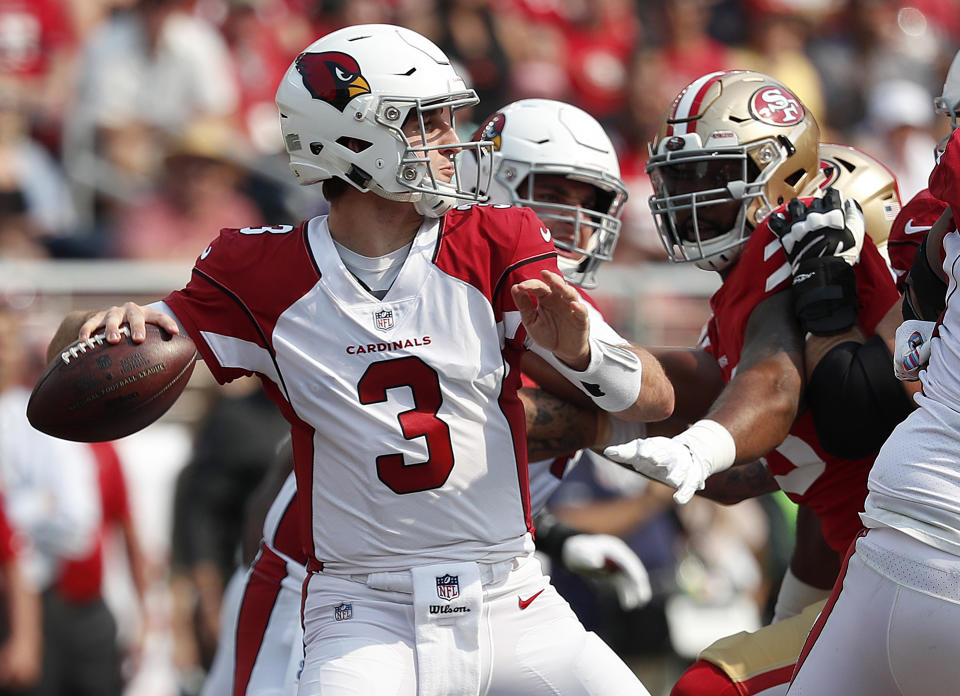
x=945, y=180
x=834, y=488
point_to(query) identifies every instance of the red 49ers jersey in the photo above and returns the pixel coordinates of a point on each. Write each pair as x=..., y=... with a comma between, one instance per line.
x=408, y=435
x=834, y=488
x=908, y=230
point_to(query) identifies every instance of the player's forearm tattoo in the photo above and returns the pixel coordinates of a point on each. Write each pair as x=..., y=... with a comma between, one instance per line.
x=554, y=427
x=739, y=483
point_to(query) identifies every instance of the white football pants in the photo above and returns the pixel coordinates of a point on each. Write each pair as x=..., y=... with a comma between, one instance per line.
x=526, y=646
x=894, y=627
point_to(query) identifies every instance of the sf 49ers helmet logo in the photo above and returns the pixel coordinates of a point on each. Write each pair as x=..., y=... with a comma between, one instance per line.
x=333, y=77
x=775, y=106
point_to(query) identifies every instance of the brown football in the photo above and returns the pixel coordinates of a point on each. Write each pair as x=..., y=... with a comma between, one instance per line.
x=96, y=391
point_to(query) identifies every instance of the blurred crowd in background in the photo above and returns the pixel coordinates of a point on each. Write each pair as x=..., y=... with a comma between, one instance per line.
x=136, y=129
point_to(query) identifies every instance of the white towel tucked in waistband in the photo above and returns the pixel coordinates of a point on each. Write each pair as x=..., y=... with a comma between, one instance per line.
x=447, y=601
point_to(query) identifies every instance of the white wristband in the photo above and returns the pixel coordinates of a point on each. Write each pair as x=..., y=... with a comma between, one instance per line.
x=611, y=380
x=712, y=443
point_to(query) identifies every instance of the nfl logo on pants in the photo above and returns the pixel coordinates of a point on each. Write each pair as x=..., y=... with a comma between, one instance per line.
x=342, y=612
x=448, y=587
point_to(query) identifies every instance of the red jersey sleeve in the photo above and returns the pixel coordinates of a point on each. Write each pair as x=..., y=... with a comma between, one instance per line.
x=493, y=248
x=908, y=230
x=236, y=292
x=113, y=484
x=945, y=177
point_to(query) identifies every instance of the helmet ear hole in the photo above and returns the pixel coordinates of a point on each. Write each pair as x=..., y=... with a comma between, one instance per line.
x=355, y=144
x=794, y=178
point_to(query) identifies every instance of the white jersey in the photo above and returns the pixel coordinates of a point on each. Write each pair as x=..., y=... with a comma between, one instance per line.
x=914, y=485
x=407, y=430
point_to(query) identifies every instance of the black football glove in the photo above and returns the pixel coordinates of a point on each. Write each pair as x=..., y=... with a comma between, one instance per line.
x=828, y=226
x=822, y=241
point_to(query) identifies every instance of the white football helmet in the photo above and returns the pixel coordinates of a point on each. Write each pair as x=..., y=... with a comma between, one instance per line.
x=537, y=137
x=864, y=178
x=948, y=103
x=734, y=146
x=360, y=83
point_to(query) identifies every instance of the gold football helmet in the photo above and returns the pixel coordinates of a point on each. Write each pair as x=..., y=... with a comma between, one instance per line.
x=859, y=176
x=734, y=146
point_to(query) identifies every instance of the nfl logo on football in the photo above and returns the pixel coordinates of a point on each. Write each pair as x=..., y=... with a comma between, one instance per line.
x=343, y=612
x=383, y=319
x=448, y=587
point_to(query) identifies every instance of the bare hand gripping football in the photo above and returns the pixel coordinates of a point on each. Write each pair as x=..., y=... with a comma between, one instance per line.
x=95, y=391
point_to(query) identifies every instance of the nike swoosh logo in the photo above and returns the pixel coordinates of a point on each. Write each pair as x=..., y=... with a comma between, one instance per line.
x=910, y=228
x=545, y=233
x=594, y=389
x=524, y=603
x=206, y=252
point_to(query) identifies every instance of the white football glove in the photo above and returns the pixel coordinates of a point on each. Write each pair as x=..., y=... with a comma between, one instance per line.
x=683, y=462
x=827, y=226
x=608, y=557
x=912, y=349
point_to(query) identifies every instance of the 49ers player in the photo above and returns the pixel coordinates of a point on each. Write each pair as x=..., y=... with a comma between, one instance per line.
x=923, y=210
x=735, y=148
x=761, y=663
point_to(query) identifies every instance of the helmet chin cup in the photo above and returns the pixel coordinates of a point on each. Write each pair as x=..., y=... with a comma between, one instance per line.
x=721, y=261
x=434, y=206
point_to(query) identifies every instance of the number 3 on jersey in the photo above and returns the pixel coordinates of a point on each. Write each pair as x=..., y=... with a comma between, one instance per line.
x=420, y=421
x=276, y=229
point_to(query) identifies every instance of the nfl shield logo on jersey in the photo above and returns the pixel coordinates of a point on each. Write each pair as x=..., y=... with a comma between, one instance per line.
x=383, y=319
x=448, y=587
x=343, y=612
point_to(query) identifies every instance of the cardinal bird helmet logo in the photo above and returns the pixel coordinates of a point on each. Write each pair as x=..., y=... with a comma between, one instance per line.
x=333, y=77
x=492, y=129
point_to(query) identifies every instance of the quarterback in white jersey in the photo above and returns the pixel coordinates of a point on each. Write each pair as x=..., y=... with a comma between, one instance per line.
x=390, y=333
x=248, y=659
x=892, y=625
